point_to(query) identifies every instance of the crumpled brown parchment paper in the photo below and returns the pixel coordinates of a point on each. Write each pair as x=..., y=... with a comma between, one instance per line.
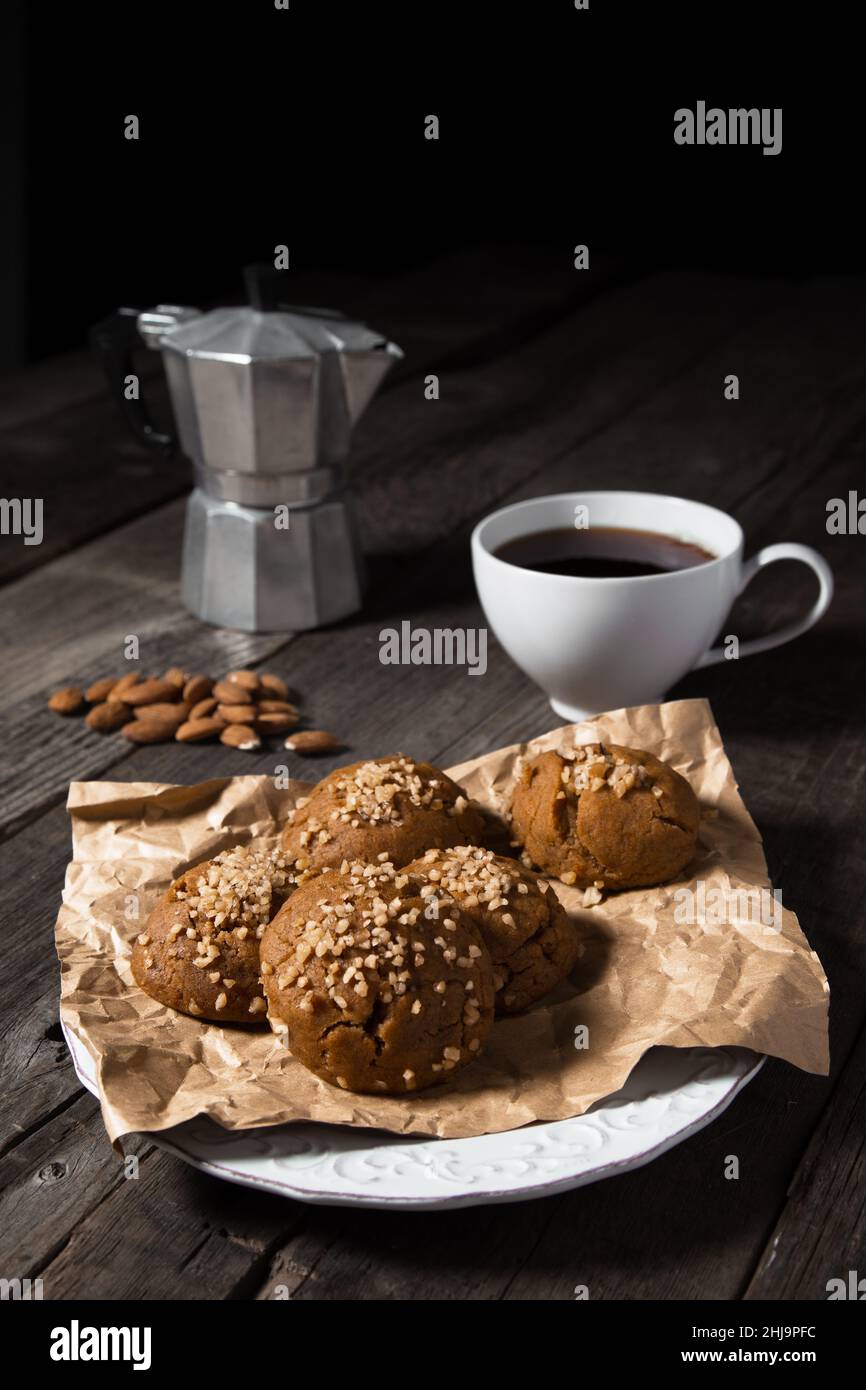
x=645, y=977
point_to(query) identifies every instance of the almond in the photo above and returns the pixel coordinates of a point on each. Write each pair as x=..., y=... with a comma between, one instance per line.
x=100, y=690
x=273, y=686
x=175, y=675
x=108, y=716
x=230, y=694
x=196, y=730
x=236, y=714
x=151, y=692
x=67, y=701
x=277, y=707
x=240, y=736
x=125, y=683
x=197, y=689
x=312, y=741
x=149, y=730
x=203, y=708
x=277, y=722
x=178, y=712
x=248, y=680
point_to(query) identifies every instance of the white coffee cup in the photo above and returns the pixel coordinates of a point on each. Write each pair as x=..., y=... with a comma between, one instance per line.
x=595, y=644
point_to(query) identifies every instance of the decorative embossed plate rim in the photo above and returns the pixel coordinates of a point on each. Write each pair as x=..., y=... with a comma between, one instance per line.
x=671, y=1094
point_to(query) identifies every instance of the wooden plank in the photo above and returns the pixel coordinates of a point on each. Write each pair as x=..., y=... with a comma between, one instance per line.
x=623, y=1239
x=685, y=435
x=37, y=391
x=648, y=338
x=709, y=1252
x=163, y=763
x=565, y=411
x=464, y=304
x=53, y=1180
x=701, y=1249
x=37, y=1078
x=820, y=1235
x=468, y=1255
x=450, y=460
x=88, y=472
x=694, y=1248
x=205, y=1249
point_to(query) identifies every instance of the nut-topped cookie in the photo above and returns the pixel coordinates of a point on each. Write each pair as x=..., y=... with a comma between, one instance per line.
x=531, y=939
x=379, y=981
x=390, y=806
x=199, y=952
x=605, y=817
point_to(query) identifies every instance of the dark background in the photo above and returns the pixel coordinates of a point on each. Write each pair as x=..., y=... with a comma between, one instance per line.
x=305, y=127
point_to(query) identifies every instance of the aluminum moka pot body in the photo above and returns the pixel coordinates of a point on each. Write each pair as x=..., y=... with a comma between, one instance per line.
x=264, y=403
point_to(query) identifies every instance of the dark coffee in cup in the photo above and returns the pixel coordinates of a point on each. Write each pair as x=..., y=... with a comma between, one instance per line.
x=614, y=614
x=601, y=552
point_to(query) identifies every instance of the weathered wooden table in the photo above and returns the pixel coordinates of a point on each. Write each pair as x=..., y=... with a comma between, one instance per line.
x=550, y=380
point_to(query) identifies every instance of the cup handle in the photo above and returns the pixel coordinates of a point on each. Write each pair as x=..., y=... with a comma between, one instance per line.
x=786, y=551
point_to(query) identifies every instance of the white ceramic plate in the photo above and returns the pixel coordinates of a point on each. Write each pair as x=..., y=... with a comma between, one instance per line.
x=672, y=1093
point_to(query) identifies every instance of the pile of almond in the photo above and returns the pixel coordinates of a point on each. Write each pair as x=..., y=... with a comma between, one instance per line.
x=239, y=710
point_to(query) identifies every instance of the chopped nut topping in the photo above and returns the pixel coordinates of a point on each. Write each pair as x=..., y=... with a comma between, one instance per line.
x=365, y=915
x=375, y=790
x=594, y=768
x=238, y=891
x=476, y=878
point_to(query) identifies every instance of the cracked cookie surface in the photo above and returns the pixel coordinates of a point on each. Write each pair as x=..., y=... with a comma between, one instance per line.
x=531, y=939
x=377, y=980
x=607, y=817
x=390, y=806
x=199, y=952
